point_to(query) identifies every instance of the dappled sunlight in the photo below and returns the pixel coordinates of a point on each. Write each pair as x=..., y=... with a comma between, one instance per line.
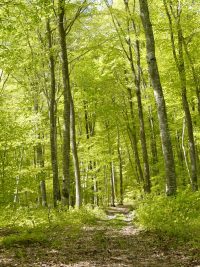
x=129, y=231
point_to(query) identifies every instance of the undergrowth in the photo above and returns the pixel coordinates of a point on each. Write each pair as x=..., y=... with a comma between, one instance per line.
x=25, y=225
x=177, y=216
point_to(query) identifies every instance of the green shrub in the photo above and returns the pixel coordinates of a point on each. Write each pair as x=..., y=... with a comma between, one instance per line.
x=177, y=216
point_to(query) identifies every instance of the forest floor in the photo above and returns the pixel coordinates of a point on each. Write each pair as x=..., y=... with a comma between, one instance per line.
x=113, y=241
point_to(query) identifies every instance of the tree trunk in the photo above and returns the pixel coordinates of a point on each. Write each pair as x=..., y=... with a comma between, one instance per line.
x=75, y=156
x=194, y=74
x=153, y=139
x=179, y=60
x=112, y=179
x=66, y=111
x=90, y=131
x=40, y=164
x=160, y=101
x=106, y=187
x=43, y=193
x=16, y=194
x=53, y=121
x=95, y=186
x=133, y=137
x=132, y=133
x=184, y=152
x=3, y=167
x=39, y=160
x=121, y=191
x=137, y=81
x=186, y=108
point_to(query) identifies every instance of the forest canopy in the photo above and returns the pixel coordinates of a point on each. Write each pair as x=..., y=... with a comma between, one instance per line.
x=100, y=100
x=99, y=133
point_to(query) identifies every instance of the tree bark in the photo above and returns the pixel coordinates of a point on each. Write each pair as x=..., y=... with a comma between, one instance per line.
x=66, y=111
x=160, y=101
x=53, y=121
x=112, y=179
x=75, y=156
x=121, y=191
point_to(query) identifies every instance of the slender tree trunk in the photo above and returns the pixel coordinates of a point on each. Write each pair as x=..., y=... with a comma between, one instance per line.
x=86, y=120
x=112, y=179
x=186, y=108
x=194, y=74
x=40, y=164
x=53, y=121
x=131, y=163
x=3, y=166
x=121, y=191
x=66, y=111
x=194, y=183
x=137, y=80
x=16, y=193
x=133, y=140
x=95, y=189
x=178, y=148
x=75, y=156
x=179, y=60
x=90, y=131
x=152, y=130
x=39, y=161
x=183, y=147
x=147, y=181
x=132, y=132
x=112, y=168
x=106, y=187
x=133, y=137
x=43, y=193
x=160, y=101
x=153, y=138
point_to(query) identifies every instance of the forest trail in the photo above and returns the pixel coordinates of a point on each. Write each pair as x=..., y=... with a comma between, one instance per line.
x=113, y=242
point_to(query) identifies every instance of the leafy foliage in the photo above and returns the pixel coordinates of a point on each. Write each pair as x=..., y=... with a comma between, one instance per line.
x=175, y=216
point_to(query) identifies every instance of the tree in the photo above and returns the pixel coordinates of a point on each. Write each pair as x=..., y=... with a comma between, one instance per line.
x=66, y=110
x=160, y=101
x=53, y=119
x=75, y=156
x=180, y=63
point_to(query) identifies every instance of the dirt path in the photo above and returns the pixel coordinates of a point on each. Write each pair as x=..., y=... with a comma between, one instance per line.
x=112, y=242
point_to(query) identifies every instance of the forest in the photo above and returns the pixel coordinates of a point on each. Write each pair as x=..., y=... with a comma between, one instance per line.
x=100, y=133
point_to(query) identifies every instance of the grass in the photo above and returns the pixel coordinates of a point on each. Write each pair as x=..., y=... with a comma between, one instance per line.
x=24, y=226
